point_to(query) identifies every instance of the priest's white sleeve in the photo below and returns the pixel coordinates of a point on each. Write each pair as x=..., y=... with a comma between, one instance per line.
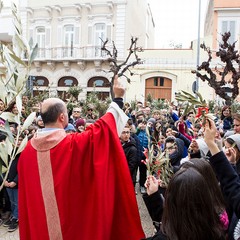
x=119, y=116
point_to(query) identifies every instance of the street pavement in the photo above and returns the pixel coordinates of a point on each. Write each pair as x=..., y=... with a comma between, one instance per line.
x=145, y=219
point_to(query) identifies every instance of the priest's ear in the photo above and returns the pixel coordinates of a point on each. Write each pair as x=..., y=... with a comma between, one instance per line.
x=61, y=117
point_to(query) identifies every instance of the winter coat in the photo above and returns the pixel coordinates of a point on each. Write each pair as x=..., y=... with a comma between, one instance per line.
x=142, y=136
x=13, y=173
x=130, y=151
x=140, y=149
x=227, y=123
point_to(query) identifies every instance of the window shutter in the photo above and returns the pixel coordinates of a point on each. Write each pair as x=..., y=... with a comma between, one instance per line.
x=77, y=37
x=232, y=31
x=48, y=37
x=90, y=33
x=109, y=36
x=224, y=27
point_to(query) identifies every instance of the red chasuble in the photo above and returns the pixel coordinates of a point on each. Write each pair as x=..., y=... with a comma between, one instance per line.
x=77, y=187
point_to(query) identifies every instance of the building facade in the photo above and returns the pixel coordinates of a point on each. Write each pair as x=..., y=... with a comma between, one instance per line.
x=70, y=36
x=223, y=16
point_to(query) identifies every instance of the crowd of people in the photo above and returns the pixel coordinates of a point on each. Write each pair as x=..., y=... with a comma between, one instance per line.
x=200, y=202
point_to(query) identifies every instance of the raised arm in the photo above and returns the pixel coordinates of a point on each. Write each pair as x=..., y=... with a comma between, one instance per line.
x=227, y=176
x=116, y=106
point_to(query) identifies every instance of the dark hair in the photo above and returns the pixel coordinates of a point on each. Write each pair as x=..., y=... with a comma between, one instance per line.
x=52, y=113
x=170, y=139
x=10, y=106
x=203, y=167
x=130, y=121
x=223, y=109
x=189, y=211
x=190, y=113
x=231, y=142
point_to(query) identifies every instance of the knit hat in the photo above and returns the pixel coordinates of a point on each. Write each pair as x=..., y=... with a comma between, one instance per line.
x=152, y=120
x=70, y=127
x=202, y=146
x=39, y=118
x=236, y=139
x=80, y=122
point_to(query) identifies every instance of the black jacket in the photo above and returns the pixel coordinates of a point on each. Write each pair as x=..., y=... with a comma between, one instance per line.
x=154, y=204
x=176, y=156
x=229, y=180
x=130, y=151
x=13, y=173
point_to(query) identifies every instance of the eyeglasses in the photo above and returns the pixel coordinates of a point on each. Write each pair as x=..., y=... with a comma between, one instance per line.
x=76, y=111
x=171, y=147
x=125, y=132
x=90, y=110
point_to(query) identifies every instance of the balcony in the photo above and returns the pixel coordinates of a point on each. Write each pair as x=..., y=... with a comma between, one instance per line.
x=71, y=53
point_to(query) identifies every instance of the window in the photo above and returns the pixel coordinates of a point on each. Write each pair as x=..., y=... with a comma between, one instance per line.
x=68, y=41
x=155, y=81
x=41, y=41
x=99, y=36
x=67, y=82
x=99, y=33
x=229, y=26
x=40, y=81
x=161, y=81
x=98, y=82
x=102, y=86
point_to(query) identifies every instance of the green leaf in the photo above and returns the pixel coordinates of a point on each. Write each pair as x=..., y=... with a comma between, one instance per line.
x=17, y=59
x=29, y=121
x=31, y=42
x=34, y=53
x=22, y=145
x=8, y=131
x=4, y=153
x=8, y=116
x=21, y=81
x=19, y=103
x=9, y=146
x=189, y=95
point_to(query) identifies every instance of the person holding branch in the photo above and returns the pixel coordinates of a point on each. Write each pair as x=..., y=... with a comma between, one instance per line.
x=77, y=186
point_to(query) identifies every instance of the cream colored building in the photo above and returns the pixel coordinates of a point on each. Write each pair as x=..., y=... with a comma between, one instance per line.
x=68, y=34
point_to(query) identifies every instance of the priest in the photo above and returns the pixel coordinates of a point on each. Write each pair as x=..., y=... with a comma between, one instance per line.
x=77, y=186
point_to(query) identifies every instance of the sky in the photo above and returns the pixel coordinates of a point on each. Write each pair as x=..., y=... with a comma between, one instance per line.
x=177, y=21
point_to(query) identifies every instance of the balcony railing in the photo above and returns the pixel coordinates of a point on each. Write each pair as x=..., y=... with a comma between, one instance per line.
x=89, y=52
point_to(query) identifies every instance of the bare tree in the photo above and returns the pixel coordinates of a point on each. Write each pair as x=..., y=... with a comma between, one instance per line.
x=218, y=79
x=117, y=67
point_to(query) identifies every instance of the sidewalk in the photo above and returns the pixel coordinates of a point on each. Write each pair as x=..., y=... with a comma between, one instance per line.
x=5, y=235
x=145, y=218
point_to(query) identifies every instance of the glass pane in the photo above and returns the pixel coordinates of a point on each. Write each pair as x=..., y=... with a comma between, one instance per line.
x=68, y=82
x=98, y=83
x=224, y=26
x=40, y=82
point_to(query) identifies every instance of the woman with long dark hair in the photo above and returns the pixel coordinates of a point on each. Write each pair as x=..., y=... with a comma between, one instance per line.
x=190, y=210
